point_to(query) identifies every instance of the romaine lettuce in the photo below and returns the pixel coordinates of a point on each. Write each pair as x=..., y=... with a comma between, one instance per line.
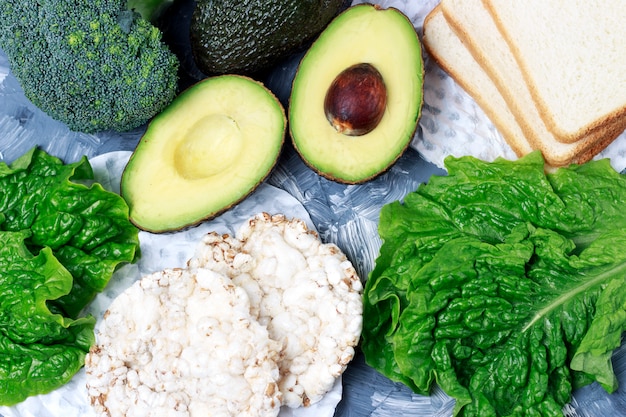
x=502, y=284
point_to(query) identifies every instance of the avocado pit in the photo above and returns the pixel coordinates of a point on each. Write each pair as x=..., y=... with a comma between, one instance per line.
x=356, y=100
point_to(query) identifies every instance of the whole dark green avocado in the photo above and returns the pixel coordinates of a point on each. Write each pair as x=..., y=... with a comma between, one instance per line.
x=249, y=36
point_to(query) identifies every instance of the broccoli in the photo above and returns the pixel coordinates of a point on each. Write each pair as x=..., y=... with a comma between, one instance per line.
x=94, y=65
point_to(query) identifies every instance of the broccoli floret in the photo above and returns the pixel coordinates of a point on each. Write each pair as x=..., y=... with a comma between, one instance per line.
x=93, y=65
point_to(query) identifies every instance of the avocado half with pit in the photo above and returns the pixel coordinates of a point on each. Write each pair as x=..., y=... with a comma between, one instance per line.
x=215, y=143
x=357, y=94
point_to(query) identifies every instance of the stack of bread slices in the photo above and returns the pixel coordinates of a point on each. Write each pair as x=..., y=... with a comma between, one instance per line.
x=550, y=74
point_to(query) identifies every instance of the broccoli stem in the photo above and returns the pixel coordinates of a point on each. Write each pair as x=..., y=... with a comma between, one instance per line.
x=150, y=10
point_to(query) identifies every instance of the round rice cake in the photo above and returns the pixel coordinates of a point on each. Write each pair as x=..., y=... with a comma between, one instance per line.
x=306, y=292
x=183, y=343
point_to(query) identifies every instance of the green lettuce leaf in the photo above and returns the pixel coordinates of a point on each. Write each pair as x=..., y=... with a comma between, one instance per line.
x=39, y=350
x=502, y=284
x=61, y=238
x=86, y=227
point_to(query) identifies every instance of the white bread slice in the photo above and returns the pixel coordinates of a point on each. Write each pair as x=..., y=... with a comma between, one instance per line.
x=573, y=58
x=452, y=55
x=472, y=23
x=449, y=53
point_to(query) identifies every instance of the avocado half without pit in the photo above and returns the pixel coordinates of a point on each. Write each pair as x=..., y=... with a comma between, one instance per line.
x=215, y=143
x=357, y=94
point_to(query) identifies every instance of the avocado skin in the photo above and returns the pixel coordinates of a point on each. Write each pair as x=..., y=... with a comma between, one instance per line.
x=250, y=36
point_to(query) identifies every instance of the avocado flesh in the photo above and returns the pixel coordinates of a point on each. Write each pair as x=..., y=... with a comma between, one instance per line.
x=244, y=38
x=207, y=151
x=386, y=39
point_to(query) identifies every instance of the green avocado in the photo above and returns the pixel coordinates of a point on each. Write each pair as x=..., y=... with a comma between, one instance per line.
x=214, y=144
x=357, y=94
x=247, y=37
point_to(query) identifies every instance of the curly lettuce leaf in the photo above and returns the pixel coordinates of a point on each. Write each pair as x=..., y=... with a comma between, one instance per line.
x=86, y=227
x=61, y=238
x=502, y=284
x=40, y=350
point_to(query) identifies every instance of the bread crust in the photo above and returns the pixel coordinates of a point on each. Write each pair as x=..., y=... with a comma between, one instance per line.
x=503, y=119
